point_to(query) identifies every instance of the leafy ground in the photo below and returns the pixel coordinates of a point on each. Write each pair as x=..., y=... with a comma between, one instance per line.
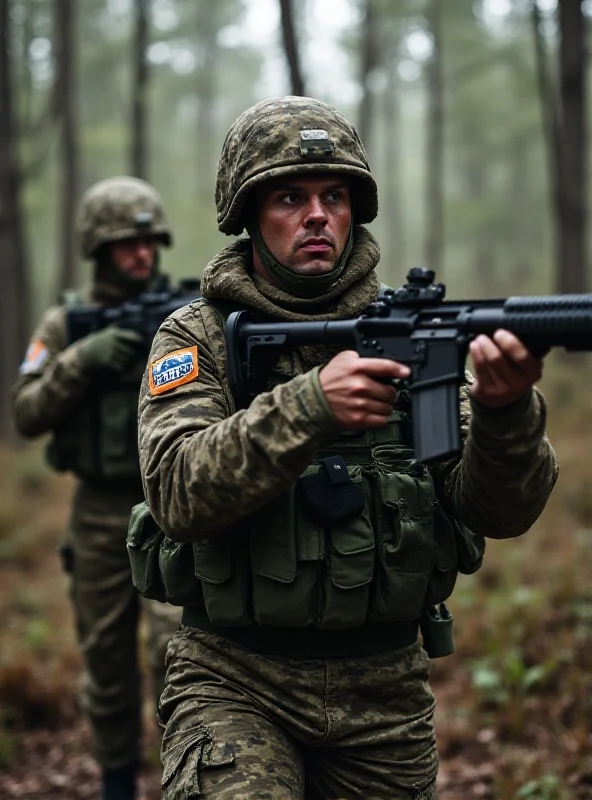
x=514, y=717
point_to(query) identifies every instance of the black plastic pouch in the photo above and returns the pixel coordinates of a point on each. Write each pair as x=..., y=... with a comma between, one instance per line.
x=437, y=631
x=330, y=495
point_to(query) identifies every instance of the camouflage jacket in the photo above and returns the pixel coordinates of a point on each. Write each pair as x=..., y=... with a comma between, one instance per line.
x=206, y=465
x=51, y=382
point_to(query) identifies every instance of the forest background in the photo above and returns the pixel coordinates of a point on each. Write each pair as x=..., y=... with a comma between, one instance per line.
x=475, y=117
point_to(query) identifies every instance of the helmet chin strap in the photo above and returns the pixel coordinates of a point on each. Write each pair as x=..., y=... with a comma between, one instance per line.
x=299, y=285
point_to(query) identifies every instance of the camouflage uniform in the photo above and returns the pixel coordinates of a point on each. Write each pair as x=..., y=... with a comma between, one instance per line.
x=47, y=397
x=257, y=709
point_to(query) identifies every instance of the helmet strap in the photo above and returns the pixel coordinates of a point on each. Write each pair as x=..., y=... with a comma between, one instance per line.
x=299, y=285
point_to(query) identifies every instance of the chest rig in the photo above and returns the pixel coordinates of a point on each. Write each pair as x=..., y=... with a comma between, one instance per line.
x=359, y=538
x=99, y=441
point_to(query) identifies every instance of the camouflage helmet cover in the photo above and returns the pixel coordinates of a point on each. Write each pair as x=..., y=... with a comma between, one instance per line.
x=119, y=208
x=286, y=136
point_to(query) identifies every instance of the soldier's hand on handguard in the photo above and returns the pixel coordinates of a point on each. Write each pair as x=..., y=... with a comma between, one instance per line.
x=113, y=349
x=358, y=391
x=504, y=369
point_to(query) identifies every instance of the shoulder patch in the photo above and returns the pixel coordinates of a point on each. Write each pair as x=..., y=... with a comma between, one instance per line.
x=35, y=357
x=173, y=370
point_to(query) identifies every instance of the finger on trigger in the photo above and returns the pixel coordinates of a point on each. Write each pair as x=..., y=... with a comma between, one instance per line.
x=384, y=367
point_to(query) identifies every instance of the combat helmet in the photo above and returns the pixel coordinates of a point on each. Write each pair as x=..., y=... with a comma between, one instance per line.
x=290, y=135
x=119, y=208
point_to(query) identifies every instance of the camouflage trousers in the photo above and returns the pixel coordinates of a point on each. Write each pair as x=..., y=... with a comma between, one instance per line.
x=107, y=611
x=241, y=725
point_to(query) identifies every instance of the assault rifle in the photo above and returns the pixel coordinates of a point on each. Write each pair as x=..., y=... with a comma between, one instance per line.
x=143, y=313
x=415, y=326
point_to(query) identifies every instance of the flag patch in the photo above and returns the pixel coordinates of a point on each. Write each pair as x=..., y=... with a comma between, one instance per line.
x=173, y=370
x=35, y=357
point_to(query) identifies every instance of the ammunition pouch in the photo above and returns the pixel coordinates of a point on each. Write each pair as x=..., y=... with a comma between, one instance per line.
x=100, y=440
x=373, y=546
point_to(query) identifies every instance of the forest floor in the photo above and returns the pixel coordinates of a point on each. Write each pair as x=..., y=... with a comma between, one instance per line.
x=514, y=717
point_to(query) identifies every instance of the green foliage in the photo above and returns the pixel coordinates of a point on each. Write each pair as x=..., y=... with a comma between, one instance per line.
x=8, y=740
x=24, y=476
x=507, y=678
x=37, y=634
x=549, y=787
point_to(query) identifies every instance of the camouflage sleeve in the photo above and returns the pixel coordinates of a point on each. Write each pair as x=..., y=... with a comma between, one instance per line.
x=50, y=381
x=205, y=465
x=508, y=468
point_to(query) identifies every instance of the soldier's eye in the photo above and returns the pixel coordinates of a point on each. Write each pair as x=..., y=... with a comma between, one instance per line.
x=290, y=198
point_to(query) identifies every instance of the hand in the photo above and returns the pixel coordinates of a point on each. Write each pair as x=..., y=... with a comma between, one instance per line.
x=353, y=389
x=112, y=348
x=504, y=369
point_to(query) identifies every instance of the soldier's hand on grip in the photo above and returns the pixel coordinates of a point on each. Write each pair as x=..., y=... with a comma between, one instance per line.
x=357, y=389
x=504, y=369
x=112, y=348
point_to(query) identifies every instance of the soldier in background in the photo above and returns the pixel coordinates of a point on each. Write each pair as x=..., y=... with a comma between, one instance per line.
x=86, y=394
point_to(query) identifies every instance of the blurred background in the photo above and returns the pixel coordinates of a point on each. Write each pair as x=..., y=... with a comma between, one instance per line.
x=475, y=117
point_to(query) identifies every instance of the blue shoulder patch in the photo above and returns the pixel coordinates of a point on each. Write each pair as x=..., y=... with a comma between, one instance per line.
x=173, y=370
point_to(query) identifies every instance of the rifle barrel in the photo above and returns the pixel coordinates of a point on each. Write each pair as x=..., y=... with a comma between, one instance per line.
x=551, y=323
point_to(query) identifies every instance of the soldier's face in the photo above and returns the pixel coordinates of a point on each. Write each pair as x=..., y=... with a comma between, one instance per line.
x=135, y=257
x=304, y=221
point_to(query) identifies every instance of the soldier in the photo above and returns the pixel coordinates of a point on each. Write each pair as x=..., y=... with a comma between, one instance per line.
x=86, y=394
x=315, y=539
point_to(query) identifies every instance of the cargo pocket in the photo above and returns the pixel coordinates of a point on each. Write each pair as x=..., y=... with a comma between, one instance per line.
x=221, y=566
x=350, y=566
x=283, y=591
x=192, y=751
x=406, y=547
x=176, y=568
x=444, y=574
x=144, y=539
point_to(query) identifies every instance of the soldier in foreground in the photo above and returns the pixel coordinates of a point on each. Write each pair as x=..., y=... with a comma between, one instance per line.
x=299, y=534
x=86, y=394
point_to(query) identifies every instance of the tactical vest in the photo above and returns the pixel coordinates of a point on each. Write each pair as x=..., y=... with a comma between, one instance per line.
x=374, y=545
x=99, y=442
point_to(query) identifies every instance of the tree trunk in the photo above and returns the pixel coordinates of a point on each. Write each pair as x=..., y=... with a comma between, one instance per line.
x=138, y=157
x=14, y=318
x=208, y=27
x=522, y=255
x=291, y=47
x=392, y=158
x=572, y=254
x=435, y=145
x=66, y=78
x=476, y=182
x=368, y=63
x=551, y=125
